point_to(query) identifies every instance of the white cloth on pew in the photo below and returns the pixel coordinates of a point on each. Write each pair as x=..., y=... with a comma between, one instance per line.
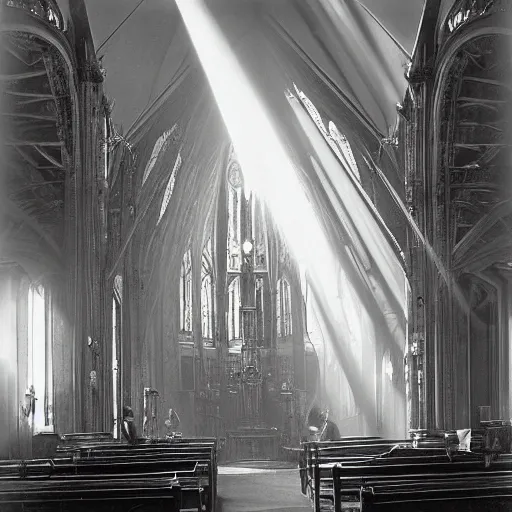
x=464, y=436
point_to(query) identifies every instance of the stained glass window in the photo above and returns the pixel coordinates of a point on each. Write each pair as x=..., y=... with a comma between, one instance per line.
x=234, y=310
x=283, y=308
x=234, y=217
x=170, y=187
x=347, y=156
x=334, y=137
x=186, y=293
x=260, y=235
x=260, y=301
x=312, y=110
x=207, y=292
x=160, y=147
x=287, y=308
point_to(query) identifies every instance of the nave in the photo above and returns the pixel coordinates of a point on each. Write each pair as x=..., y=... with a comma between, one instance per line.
x=254, y=236
x=240, y=488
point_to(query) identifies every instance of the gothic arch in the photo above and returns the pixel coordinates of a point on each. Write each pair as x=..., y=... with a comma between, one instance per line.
x=464, y=188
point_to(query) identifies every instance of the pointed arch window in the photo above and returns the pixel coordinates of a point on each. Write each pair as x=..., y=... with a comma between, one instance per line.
x=234, y=217
x=260, y=310
x=283, y=308
x=334, y=137
x=186, y=293
x=170, y=187
x=234, y=332
x=312, y=110
x=160, y=147
x=346, y=156
x=259, y=230
x=207, y=293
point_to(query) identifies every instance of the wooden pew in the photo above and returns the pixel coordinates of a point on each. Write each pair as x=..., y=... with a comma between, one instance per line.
x=166, y=476
x=201, y=449
x=321, y=452
x=155, y=495
x=376, y=464
x=36, y=484
x=433, y=491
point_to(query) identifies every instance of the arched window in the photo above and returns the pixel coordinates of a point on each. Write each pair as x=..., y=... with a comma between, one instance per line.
x=283, y=308
x=234, y=217
x=207, y=293
x=160, y=147
x=234, y=333
x=40, y=357
x=346, y=156
x=260, y=235
x=334, y=137
x=170, y=187
x=186, y=293
x=312, y=110
x=260, y=301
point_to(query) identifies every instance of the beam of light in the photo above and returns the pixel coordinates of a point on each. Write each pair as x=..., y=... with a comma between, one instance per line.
x=266, y=166
x=269, y=172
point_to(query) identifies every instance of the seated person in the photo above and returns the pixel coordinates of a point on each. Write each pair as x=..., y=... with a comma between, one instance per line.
x=330, y=429
x=327, y=430
x=128, y=426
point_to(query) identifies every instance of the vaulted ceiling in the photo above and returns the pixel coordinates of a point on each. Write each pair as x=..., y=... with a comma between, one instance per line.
x=33, y=112
x=360, y=46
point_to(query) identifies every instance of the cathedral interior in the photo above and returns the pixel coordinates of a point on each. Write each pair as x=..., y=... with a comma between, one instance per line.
x=239, y=226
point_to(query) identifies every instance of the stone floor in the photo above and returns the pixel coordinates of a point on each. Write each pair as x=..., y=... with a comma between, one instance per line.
x=260, y=487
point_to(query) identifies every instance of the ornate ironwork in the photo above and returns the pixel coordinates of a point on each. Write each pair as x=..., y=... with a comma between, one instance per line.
x=45, y=9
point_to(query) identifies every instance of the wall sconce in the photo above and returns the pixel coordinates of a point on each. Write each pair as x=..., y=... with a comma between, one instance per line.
x=30, y=402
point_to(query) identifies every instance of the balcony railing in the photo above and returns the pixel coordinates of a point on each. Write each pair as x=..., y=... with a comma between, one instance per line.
x=45, y=9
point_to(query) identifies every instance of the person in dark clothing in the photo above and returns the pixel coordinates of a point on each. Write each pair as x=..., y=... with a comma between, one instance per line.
x=128, y=426
x=327, y=429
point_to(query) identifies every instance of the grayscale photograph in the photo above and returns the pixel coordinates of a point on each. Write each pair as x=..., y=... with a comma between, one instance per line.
x=255, y=256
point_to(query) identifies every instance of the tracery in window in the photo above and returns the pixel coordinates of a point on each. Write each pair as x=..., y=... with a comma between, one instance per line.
x=234, y=333
x=186, y=293
x=207, y=292
x=160, y=147
x=312, y=110
x=345, y=148
x=170, y=187
x=283, y=308
x=234, y=218
x=334, y=137
x=260, y=235
x=40, y=357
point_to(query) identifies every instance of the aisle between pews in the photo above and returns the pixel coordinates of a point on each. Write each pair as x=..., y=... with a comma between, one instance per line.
x=260, y=487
